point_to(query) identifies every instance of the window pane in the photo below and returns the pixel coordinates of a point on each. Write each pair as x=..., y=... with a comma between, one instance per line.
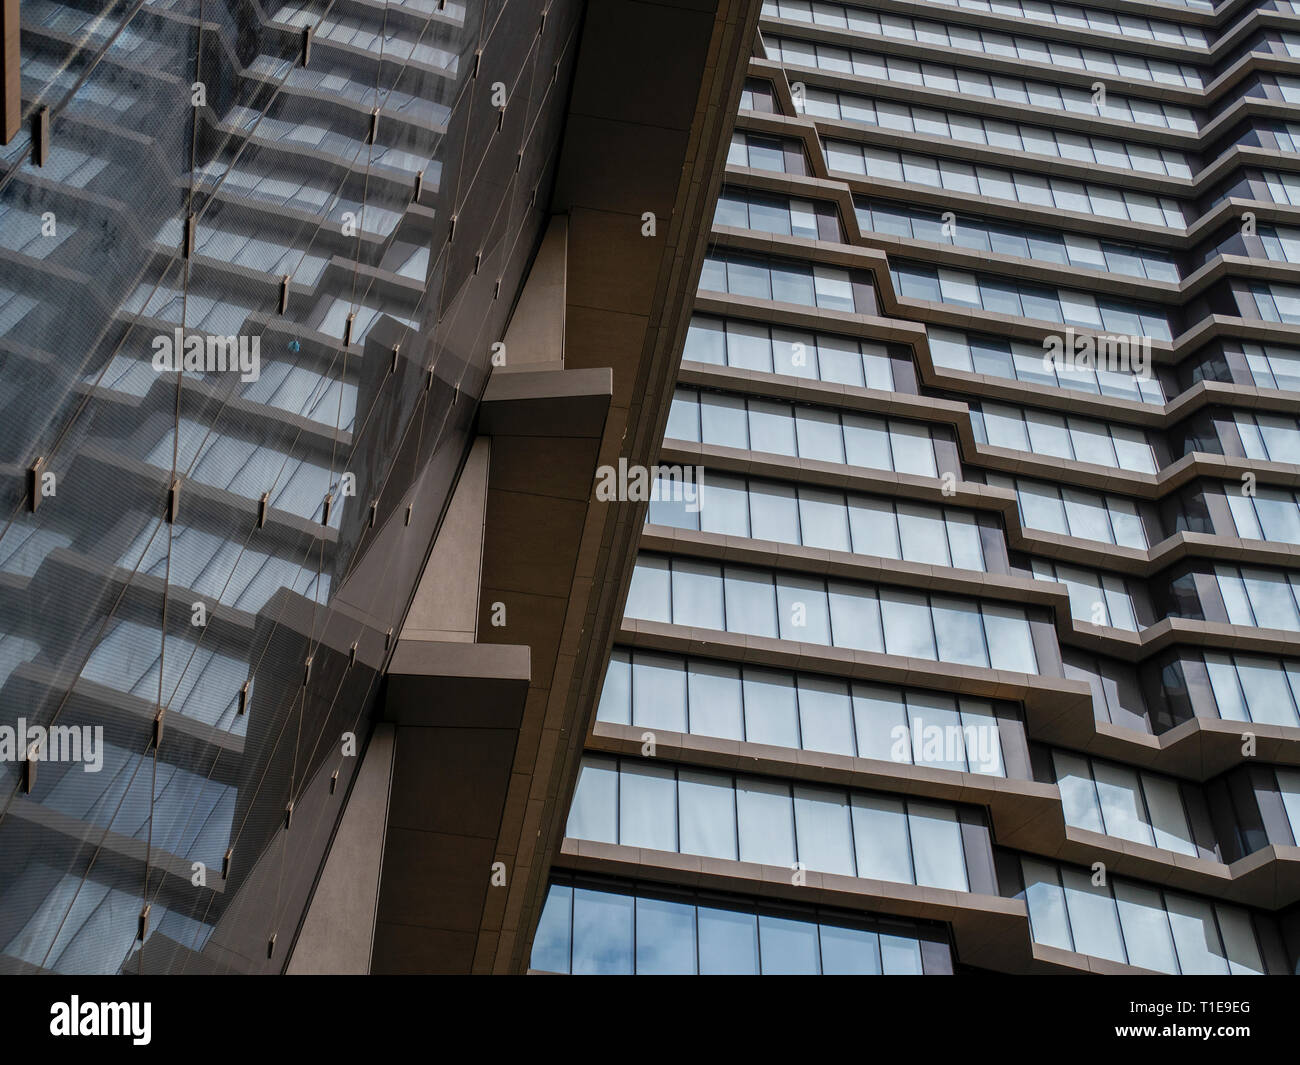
x=616, y=693
x=880, y=723
x=936, y=846
x=960, y=635
x=708, y=814
x=551, y=943
x=648, y=596
x=900, y=955
x=1196, y=936
x=648, y=806
x=825, y=715
x=1239, y=937
x=771, y=427
x=906, y=620
x=1078, y=794
x=1168, y=819
x=913, y=452
x=771, y=711
x=823, y=518
x=751, y=601
x=880, y=839
x=715, y=702
x=935, y=726
x=1121, y=803
x=1046, y=902
x=1146, y=928
x=823, y=830
x=801, y=604
x=593, y=814
x=665, y=938
x=724, y=505
x=855, y=617
x=728, y=942
x=602, y=933
x=766, y=817
x=723, y=420
x=1009, y=641
x=873, y=527
x=849, y=951
x=1093, y=917
x=788, y=947
x=922, y=534
x=866, y=442
x=659, y=690
x=774, y=513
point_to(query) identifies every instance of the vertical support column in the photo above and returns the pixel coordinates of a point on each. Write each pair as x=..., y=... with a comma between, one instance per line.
x=10, y=84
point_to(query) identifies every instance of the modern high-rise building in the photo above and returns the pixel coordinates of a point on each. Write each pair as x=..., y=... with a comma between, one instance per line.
x=963, y=630
x=649, y=486
x=316, y=320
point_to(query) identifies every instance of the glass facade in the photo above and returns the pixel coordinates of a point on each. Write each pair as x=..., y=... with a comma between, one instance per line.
x=251, y=272
x=612, y=929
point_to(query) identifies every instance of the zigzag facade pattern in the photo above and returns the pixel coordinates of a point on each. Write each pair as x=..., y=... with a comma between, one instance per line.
x=1243, y=66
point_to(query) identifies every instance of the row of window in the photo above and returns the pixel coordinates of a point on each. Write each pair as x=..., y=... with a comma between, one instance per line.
x=353, y=86
x=1117, y=800
x=246, y=469
x=766, y=213
x=261, y=129
x=1135, y=924
x=241, y=249
x=1260, y=598
x=847, y=17
x=657, y=806
x=1283, y=186
x=1014, y=186
x=899, y=71
x=1277, y=303
x=1271, y=514
x=780, y=605
x=1095, y=598
x=1272, y=366
x=1045, y=433
x=356, y=33
x=1006, y=238
x=795, y=352
x=593, y=930
x=222, y=570
x=329, y=399
x=26, y=233
x=198, y=681
x=1131, y=27
x=801, y=711
x=1281, y=243
x=1288, y=786
x=762, y=153
x=1255, y=688
x=1269, y=437
x=1019, y=360
x=280, y=189
x=811, y=284
x=1107, y=519
x=825, y=518
x=1002, y=295
x=1030, y=49
x=780, y=428
x=997, y=133
x=1285, y=136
